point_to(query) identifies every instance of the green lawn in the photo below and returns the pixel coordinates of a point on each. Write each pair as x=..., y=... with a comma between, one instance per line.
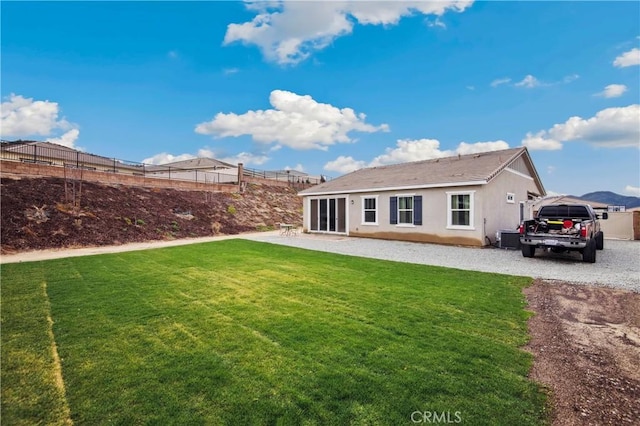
x=239, y=332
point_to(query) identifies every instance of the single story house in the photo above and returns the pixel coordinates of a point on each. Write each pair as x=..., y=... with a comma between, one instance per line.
x=567, y=199
x=201, y=169
x=53, y=154
x=461, y=200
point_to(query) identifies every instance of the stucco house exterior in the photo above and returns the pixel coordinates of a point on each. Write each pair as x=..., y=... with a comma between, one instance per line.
x=462, y=200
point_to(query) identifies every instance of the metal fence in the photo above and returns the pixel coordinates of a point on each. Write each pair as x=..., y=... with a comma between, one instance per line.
x=291, y=176
x=37, y=153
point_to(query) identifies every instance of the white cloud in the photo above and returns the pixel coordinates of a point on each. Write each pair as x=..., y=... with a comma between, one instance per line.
x=164, y=158
x=296, y=121
x=632, y=190
x=68, y=139
x=551, y=169
x=246, y=158
x=436, y=23
x=243, y=157
x=344, y=165
x=478, y=147
x=628, y=59
x=499, y=81
x=529, y=82
x=611, y=128
x=613, y=91
x=24, y=117
x=230, y=71
x=298, y=168
x=570, y=78
x=407, y=150
x=541, y=142
x=411, y=150
x=288, y=32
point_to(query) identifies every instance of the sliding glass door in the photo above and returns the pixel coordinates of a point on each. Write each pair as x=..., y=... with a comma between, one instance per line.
x=328, y=215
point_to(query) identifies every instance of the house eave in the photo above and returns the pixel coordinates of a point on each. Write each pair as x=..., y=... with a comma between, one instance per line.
x=394, y=188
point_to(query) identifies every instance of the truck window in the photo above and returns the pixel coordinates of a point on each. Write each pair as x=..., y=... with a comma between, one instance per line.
x=563, y=211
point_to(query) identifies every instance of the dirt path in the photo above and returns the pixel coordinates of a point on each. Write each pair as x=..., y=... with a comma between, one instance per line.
x=586, y=343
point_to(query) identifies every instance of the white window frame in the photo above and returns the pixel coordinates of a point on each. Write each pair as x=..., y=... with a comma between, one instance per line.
x=413, y=208
x=450, y=210
x=376, y=210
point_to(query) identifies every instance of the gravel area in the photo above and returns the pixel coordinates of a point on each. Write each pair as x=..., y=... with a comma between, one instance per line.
x=618, y=265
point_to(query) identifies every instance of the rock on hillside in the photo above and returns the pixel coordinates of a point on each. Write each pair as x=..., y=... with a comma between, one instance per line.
x=40, y=213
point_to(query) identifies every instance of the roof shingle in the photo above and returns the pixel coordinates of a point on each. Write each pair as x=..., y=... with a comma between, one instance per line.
x=472, y=169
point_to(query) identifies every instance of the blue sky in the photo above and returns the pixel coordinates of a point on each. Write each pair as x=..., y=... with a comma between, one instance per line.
x=328, y=87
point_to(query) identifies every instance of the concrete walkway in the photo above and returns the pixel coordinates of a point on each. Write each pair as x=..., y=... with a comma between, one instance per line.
x=37, y=255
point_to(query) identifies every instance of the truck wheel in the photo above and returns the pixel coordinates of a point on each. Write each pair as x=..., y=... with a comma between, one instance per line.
x=528, y=251
x=589, y=252
x=600, y=240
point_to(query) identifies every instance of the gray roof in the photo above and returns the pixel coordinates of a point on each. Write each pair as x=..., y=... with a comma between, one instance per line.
x=567, y=199
x=54, y=151
x=194, y=163
x=472, y=169
x=22, y=146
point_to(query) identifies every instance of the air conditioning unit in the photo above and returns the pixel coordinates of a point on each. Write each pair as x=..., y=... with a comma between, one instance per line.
x=510, y=239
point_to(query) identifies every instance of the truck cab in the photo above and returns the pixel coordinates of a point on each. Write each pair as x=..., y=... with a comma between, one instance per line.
x=564, y=227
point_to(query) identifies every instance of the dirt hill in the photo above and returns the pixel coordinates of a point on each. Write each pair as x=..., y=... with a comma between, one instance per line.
x=44, y=213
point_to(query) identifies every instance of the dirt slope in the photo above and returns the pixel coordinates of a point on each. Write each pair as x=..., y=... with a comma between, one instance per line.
x=39, y=213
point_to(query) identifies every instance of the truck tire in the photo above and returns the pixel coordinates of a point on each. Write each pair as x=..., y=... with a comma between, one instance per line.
x=589, y=252
x=528, y=251
x=600, y=240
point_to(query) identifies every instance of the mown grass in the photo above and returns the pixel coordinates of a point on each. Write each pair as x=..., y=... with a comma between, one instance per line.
x=239, y=332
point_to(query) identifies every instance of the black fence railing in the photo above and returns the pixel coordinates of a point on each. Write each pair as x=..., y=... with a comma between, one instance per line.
x=37, y=153
x=291, y=176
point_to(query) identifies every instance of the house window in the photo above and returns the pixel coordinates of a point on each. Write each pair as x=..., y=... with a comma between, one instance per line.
x=370, y=210
x=406, y=210
x=460, y=210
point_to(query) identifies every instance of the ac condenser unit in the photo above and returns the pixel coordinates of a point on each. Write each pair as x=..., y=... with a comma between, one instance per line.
x=510, y=239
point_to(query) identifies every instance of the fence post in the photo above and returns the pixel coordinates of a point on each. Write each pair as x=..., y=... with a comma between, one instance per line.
x=77, y=158
x=114, y=165
x=240, y=174
x=196, y=175
x=35, y=154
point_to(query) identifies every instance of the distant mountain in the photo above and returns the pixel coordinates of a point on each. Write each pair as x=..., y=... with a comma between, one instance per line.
x=612, y=199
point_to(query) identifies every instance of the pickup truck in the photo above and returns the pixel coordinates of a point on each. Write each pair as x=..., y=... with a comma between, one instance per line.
x=563, y=227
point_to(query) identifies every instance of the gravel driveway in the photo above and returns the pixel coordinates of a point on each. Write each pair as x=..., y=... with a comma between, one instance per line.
x=618, y=265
